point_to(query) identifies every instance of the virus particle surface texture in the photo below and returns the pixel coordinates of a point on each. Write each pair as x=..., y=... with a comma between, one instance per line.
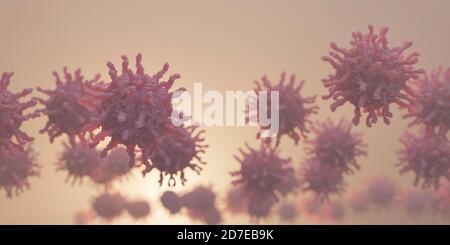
x=79, y=161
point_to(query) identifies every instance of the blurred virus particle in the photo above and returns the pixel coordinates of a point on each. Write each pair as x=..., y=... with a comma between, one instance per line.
x=113, y=167
x=16, y=167
x=294, y=109
x=431, y=105
x=440, y=203
x=199, y=200
x=84, y=217
x=65, y=114
x=133, y=110
x=310, y=206
x=416, y=201
x=213, y=216
x=260, y=206
x=359, y=201
x=288, y=212
x=235, y=201
x=79, y=161
x=138, y=209
x=12, y=114
x=109, y=206
x=370, y=75
x=179, y=150
x=333, y=211
x=382, y=192
x=427, y=156
x=172, y=202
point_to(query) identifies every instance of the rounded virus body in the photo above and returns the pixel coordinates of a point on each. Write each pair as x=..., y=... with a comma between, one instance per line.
x=198, y=200
x=235, y=201
x=111, y=168
x=213, y=217
x=172, y=202
x=138, y=209
x=382, y=191
x=427, y=156
x=359, y=201
x=65, y=113
x=333, y=211
x=288, y=212
x=294, y=109
x=16, y=167
x=370, y=75
x=416, y=201
x=109, y=206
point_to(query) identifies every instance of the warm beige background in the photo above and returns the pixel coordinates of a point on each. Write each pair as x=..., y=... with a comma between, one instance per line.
x=225, y=45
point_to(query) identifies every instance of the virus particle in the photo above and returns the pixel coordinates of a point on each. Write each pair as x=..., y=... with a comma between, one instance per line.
x=179, y=150
x=65, y=114
x=12, y=114
x=111, y=168
x=109, y=206
x=440, y=203
x=294, y=109
x=84, y=217
x=416, y=201
x=431, y=105
x=172, y=202
x=213, y=216
x=133, y=110
x=370, y=75
x=79, y=161
x=427, y=156
x=138, y=209
x=260, y=206
x=199, y=200
x=359, y=201
x=235, y=201
x=288, y=212
x=382, y=191
x=310, y=206
x=16, y=167
x=333, y=211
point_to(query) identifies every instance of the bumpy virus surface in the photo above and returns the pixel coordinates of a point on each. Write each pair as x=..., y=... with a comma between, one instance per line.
x=65, y=113
x=288, y=212
x=416, y=201
x=12, y=114
x=427, y=156
x=294, y=109
x=16, y=167
x=172, y=202
x=382, y=191
x=138, y=209
x=359, y=201
x=441, y=201
x=133, y=110
x=79, y=161
x=431, y=105
x=370, y=75
x=179, y=151
x=109, y=206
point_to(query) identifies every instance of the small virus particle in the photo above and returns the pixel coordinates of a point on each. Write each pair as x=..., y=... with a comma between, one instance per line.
x=84, y=217
x=359, y=201
x=198, y=200
x=427, y=156
x=288, y=212
x=213, y=217
x=12, y=114
x=370, y=75
x=79, y=161
x=235, y=201
x=111, y=168
x=179, y=150
x=133, y=110
x=440, y=203
x=333, y=211
x=382, y=191
x=294, y=109
x=65, y=114
x=416, y=201
x=16, y=167
x=172, y=202
x=431, y=105
x=138, y=209
x=310, y=206
x=109, y=206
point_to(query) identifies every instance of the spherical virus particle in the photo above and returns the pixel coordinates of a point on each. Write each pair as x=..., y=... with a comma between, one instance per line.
x=65, y=113
x=294, y=109
x=382, y=191
x=172, y=202
x=138, y=209
x=108, y=205
x=370, y=75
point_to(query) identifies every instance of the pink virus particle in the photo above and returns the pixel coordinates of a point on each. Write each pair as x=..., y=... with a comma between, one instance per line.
x=260, y=206
x=310, y=206
x=294, y=109
x=333, y=211
x=12, y=114
x=78, y=161
x=213, y=217
x=370, y=75
x=382, y=191
x=113, y=167
x=416, y=201
x=431, y=95
x=109, y=205
x=201, y=205
x=235, y=201
x=288, y=212
x=180, y=149
x=359, y=201
x=440, y=202
x=138, y=209
x=16, y=167
x=84, y=217
x=65, y=113
x=172, y=202
x=134, y=109
x=427, y=156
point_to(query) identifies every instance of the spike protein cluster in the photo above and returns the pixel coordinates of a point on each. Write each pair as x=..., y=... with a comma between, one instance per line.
x=370, y=75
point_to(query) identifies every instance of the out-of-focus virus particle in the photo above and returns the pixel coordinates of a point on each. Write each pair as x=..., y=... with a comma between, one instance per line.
x=294, y=109
x=440, y=203
x=359, y=201
x=79, y=161
x=382, y=191
x=84, y=217
x=427, y=156
x=138, y=209
x=333, y=211
x=180, y=149
x=236, y=201
x=260, y=206
x=133, y=110
x=213, y=216
x=431, y=105
x=310, y=206
x=172, y=202
x=288, y=212
x=200, y=204
x=12, y=114
x=370, y=75
x=416, y=201
x=109, y=205
x=65, y=114
x=111, y=168
x=16, y=167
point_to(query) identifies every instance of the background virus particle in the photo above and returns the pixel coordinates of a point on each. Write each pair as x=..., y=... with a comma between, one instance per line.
x=440, y=203
x=382, y=191
x=199, y=200
x=79, y=161
x=12, y=114
x=333, y=211
x=416, y=201
x=288, y=212
x=65, y=114
x=310, y=206
x=133, y=110
x=260, y=206
x=427, y=156
x=172, y=202
x=294, y=109
x=235, y=201
x=359, y=201
x=179, y=150
x=138, y=209
x=213, y=217
x=109, y=205
x=16, y=167
x=84, y=217
x=113, y=167
x=370, y=75
x=431, y=95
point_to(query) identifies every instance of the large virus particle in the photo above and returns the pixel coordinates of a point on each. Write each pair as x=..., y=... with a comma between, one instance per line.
x=109, y=205
x=359, y=201
x=382, y=191
x=431, y=105
x=294, y=109
x=65, y=113
x=416, y=201
x=180, y=149
x=440, y=202
x=138, y=209
x=427, y=156
x=12, y=114
x=16, y=167
x=134, y=109
x=370, y=75
x=172, y=202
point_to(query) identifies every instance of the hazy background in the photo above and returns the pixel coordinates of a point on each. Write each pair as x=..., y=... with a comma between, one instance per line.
x=224, y=45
